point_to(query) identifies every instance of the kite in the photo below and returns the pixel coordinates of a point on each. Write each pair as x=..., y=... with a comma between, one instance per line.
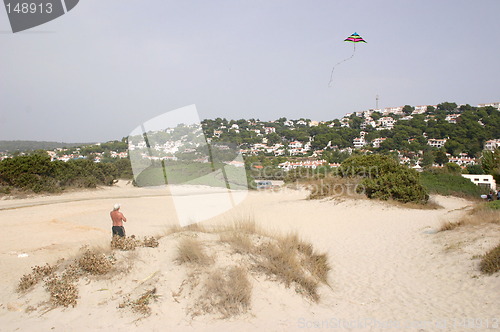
x=354, y=39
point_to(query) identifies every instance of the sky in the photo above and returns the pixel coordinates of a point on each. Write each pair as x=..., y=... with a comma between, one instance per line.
x=99, y=71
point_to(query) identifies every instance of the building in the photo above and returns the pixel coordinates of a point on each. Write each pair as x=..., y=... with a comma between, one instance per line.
x=386, y=122
x=419, y=109
x=269, y=130
x=359, y=142
x=492, y=144
x=377, y=141
x=452, y=118
x=394, y=110
x=437, y=143
x=462, y=161
x=295, y=145
x=495, y=105
x=312, y=164
x=482, y=180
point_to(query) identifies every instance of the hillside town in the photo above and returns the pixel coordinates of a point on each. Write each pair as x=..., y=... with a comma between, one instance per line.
x=302, y=143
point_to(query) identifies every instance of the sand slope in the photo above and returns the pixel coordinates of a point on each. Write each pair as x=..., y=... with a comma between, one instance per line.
x=389, y=267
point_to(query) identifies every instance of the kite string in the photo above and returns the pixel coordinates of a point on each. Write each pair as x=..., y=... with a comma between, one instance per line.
x=349, y=58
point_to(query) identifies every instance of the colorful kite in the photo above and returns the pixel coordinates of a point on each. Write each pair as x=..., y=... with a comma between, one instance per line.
x=354, y=39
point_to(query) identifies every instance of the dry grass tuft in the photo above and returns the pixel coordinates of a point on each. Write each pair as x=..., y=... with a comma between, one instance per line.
x=226, y=294
x=37, y=274
x=95, y=261
x=480, y=214
x=239, y=242
x=490, y=262
x=448, y=226
x=286, y=258
x=190, y=250
x=245, y=226
x=190, y=228
x=123, y=243
x=141, y=305
x=316, y=264
x=281, y=262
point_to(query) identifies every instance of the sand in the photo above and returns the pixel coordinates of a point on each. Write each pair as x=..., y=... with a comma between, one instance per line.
x=390, y=268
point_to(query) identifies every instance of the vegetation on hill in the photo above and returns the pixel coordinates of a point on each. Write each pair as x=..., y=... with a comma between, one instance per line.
x=37, y=173
x=22, y=146
x=449, y=184
x=472, y=128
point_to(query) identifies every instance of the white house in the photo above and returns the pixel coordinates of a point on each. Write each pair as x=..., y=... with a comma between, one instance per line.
x=482, y=180
x=386, y=122
x=295, y=145
x=437, y=143
x=492, y=144
x=359, y=142
x=419, y=109
x=269, y=130
x=377, y=141
x=394, y=110
x=496, y=105
x=452, y=118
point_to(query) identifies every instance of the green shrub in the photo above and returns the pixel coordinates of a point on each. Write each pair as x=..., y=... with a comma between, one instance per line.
x=449, y=184
x=385, y=178
x=495, y=205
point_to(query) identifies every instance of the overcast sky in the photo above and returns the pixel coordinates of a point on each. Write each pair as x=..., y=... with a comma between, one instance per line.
x=107, y=66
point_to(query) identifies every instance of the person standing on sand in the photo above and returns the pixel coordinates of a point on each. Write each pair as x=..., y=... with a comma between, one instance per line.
x=117, y=218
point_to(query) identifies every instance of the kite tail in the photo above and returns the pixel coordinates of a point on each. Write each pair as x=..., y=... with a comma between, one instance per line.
x=349, y=58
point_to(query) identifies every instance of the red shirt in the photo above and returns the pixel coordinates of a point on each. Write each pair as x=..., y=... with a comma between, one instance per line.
x=117, y=218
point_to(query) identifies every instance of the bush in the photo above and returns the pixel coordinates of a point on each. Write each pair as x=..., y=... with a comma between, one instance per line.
x=37, y=274
x=95, y=262
x=62, y=292
x=123, y=243
x=38, y=174
x=385, y=178
x=449, y=184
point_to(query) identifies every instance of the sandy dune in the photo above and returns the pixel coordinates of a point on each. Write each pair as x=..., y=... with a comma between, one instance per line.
x=389, y=267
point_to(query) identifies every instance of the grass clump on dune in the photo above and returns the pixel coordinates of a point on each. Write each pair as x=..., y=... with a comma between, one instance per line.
x=227, y=293
x=480, y=214
x=286, y=259
x=141, y=304
x=293, y=261
x=490, y=262
x=191, y=250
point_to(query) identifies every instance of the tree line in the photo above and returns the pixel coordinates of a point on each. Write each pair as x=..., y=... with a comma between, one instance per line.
x=37, y=173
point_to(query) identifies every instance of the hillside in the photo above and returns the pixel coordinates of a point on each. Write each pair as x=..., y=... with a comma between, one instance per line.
x=12, y=146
